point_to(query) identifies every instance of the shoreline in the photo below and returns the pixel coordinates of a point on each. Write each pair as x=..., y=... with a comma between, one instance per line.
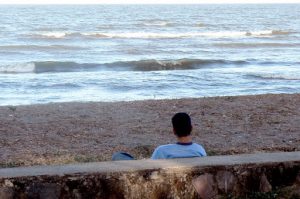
x=60, y=133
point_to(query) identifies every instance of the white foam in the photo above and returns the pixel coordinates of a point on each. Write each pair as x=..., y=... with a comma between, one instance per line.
x=153, y=35
x=149, y=35
x=156, y=23
x=18, y=68
x=170, y=35
x=282, y=76
x=54, y=34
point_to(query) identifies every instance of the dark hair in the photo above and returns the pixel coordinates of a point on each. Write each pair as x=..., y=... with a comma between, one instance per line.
x=182, y=124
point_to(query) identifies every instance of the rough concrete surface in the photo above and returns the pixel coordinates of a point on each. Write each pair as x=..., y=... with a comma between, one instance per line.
x=210, y=177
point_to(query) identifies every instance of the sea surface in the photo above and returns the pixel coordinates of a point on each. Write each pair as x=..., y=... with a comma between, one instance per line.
x=54, y=53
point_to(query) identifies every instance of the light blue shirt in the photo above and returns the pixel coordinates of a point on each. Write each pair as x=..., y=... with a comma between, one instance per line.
x=178, y=150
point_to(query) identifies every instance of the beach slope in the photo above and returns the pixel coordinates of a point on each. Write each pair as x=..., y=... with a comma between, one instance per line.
x=62, y=133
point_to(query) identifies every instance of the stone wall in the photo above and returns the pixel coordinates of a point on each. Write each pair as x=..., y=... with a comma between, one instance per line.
x=209, y=177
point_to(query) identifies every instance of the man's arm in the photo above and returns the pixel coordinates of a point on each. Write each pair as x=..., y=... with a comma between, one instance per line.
x=157, y=154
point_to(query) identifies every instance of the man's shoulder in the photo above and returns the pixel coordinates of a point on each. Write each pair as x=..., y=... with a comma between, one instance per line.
x=166, y=146
x=197, y=145
x=200, y=148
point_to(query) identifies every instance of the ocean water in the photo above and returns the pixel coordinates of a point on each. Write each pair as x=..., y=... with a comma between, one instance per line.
x=136, y=52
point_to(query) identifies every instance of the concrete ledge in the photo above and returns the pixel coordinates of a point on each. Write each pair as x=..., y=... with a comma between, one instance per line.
x=207, y=177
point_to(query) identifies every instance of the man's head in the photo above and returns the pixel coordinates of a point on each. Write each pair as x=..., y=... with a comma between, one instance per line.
x=182, y=124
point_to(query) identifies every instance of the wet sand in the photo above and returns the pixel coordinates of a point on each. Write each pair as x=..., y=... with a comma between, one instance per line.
x=79, y=132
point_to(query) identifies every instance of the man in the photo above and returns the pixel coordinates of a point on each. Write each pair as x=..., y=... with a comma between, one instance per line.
x=184, y=148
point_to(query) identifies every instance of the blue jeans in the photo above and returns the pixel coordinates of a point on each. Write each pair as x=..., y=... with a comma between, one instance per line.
x=122, y=156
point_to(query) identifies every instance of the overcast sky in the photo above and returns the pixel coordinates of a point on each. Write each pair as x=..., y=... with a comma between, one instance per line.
x=140, y=1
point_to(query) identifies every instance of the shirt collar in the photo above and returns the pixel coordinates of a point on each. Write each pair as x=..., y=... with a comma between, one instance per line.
x=184, y=143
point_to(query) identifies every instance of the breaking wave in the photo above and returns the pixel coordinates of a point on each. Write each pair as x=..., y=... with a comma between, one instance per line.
x=17, y=68
x=155, y=22
x=254, y=45
x=143, y=65
x=157, y=35
x=38, y=47
x=266, y=76
x=268, y=33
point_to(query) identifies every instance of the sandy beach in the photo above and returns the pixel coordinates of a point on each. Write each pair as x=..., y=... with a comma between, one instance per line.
x=61, y=133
